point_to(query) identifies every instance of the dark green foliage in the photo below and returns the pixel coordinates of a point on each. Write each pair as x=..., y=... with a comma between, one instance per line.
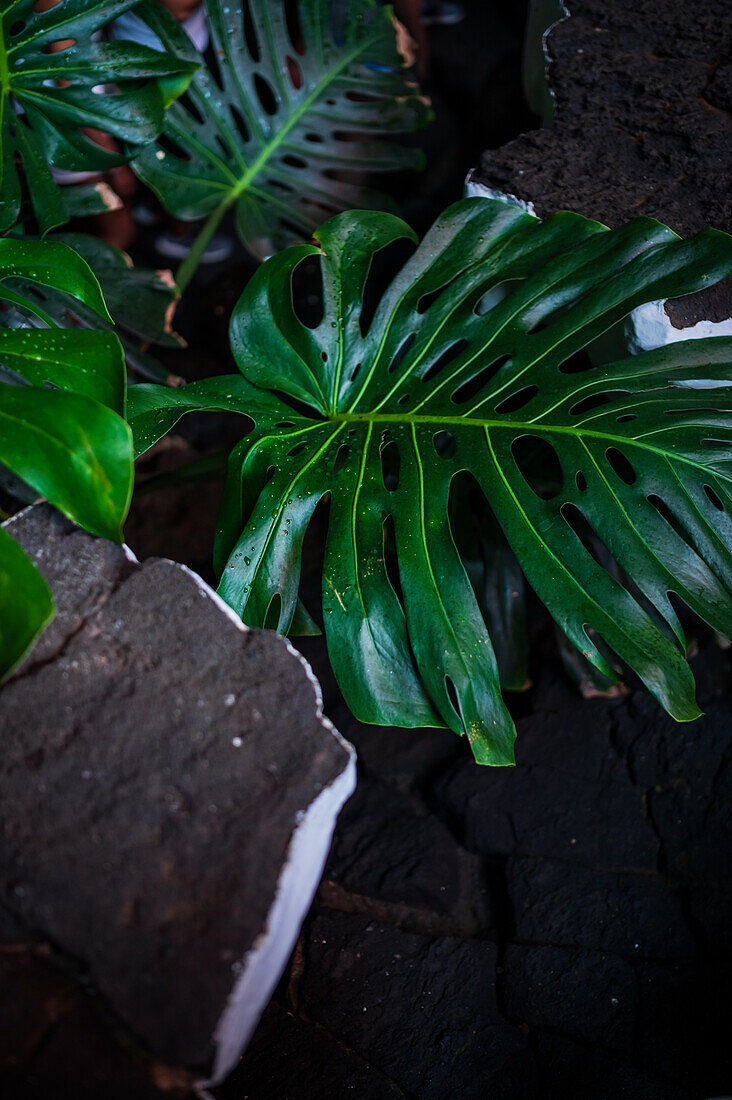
x=386, y=420
x=47, y=98
x=26, y=604
x=141, y=302
x=62, y=403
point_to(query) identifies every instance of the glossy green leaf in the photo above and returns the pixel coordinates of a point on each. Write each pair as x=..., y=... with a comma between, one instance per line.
x=287, y=120
x=72, y=450
x=84, y=200
x=62, y=432
x=141, y=301
x=49, y=97
x=153, y=411
x=87, y=363
x=26, y=604
x=471, y=366
x=61, y=426
x=47, y=264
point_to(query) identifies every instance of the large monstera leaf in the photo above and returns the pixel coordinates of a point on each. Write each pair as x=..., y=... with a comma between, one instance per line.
x=62, y=429
x=471, y=369
x=57, y=82
x=287, y=120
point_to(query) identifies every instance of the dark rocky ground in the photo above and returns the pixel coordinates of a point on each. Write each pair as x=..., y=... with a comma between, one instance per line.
x=147, y=807
x=555, y=930
x=560, y=929
x=643, y=95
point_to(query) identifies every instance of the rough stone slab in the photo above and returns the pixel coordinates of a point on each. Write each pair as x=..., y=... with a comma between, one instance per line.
x=309, y=1063
x=572, y=1071
x=669, y=994
x=592, y=757
x=570, y=795
x=687, y=770
x=384, y=849
x=642, y=126
x=565, y=905
x=543, y=811
x=584, y=994
x=82, y=573
x=169, y=789
x=671, y=1041
x=421, y=1009
x=54, y=1045
x=709, y=906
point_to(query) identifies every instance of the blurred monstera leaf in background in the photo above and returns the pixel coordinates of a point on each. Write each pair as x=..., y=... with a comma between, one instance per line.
x=286, y=118
x=58, y=85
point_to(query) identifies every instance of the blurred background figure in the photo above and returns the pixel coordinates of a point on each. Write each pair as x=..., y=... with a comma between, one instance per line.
x=417, y=15
x=176, y=237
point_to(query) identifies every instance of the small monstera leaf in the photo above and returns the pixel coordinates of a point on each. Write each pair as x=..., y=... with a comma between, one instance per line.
x=471, y=369
x=62, y=429
x=56, y=83
x=289, y=115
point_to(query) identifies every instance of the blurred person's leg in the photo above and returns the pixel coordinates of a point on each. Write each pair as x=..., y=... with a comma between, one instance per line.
x=409, y=12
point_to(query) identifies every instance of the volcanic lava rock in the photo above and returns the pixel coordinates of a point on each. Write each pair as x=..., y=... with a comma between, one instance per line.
x=421, y=1008
x=561, y=903
x=642, y=126
x=557, y=987
x=169, y=789
x=309, y=1062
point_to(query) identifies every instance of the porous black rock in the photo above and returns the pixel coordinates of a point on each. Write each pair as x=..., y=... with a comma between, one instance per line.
x=566, y=905
x=387, y=850
x=560, y=815
x=642, y=126
x=421, y=1008
x=587, y=995
x=168, y=789
x=309, y=1062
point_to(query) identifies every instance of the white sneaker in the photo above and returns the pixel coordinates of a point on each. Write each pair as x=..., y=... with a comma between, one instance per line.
x=443, y=12
x=176, y=247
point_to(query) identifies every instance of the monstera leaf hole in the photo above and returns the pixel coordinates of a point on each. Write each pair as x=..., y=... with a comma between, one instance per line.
x=307, y=301
x=538, y=463
x=384, y=266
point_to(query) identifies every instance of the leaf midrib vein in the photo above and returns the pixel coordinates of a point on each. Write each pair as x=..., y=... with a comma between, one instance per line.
x=91, y=464
x=529, y=427
x=271, y=147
